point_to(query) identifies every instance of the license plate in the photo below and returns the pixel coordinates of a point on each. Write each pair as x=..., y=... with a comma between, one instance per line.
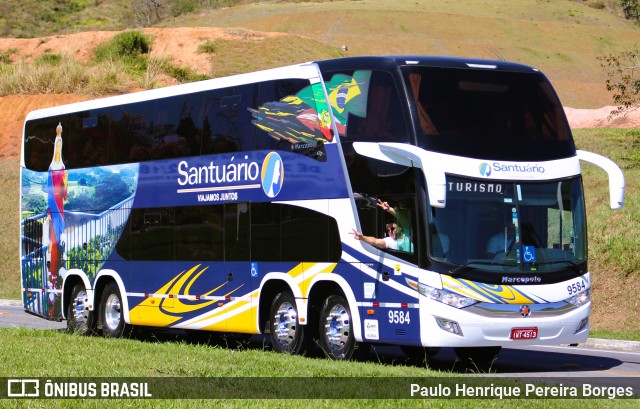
x=524, y=333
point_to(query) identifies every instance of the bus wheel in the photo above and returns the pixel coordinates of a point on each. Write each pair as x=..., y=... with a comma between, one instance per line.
x=336, y=330
x=111, y=317
x=287, y=335
x=79, y=319
x=479, y=356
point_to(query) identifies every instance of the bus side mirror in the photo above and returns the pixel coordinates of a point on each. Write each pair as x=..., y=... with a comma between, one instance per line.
x=616, y=177
x=408, y=155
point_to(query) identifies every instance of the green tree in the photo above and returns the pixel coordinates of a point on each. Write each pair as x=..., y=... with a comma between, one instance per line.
x=622, y=72
x=35, y=203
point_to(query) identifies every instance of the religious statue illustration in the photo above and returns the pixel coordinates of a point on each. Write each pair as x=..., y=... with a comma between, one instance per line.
x=54, y=224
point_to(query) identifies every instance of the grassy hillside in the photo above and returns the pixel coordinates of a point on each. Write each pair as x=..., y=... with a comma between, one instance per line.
x=614, y=236
x=563, y=38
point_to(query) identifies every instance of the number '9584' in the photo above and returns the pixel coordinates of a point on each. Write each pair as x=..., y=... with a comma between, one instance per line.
x=576, y=287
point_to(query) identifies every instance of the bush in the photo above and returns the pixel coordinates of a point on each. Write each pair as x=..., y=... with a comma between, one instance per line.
x=185, y=6
x=49, y=59
x=129, y=44
x=209, y=47
x=631, y=9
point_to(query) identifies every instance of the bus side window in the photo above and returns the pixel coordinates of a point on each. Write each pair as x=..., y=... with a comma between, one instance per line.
x=265, y=232
x=199, y=233
x=308, y=235
x=237, y=227
x=148, y=235
x=87, y=138
x=368, y=215
x=178, y=126
x=131, y=127
x=39, y=138
x=384, y=120
x=221, y=129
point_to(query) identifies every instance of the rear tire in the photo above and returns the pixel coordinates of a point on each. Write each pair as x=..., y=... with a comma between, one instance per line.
x=111, y=320
x=286, y=333
x=79, y=319
x=336, y=331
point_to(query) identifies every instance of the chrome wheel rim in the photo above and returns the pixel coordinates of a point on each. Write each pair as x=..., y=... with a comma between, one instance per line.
x=336, y=327
x=81, y=309
x=112, y=312
x=285, y=323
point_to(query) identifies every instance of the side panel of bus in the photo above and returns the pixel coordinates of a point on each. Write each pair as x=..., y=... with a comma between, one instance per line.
x=185, y=235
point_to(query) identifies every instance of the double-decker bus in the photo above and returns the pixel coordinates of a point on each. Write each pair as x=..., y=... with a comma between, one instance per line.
x=416, y=201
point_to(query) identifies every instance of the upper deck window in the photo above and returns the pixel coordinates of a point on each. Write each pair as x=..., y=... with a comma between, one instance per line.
x=278, y=114
x=367, y=106
x=488, y=114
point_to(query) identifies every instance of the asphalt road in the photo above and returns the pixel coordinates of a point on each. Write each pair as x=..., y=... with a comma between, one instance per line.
x=597, y=358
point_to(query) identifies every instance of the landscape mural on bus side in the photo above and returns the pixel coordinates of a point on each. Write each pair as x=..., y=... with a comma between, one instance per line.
x=70, y=219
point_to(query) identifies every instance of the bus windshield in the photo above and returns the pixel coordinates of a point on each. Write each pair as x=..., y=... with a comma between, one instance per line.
x=510, y=226
x=484, y=114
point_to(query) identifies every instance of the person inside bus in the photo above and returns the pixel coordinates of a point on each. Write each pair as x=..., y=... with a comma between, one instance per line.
x=501, y=242
x=395, y=238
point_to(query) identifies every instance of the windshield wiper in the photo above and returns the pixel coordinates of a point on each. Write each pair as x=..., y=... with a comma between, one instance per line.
x=468, y=266
x=574, y=266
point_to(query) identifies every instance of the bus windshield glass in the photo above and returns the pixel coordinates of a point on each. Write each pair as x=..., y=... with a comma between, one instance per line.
x=488, y=114
x=510, y=226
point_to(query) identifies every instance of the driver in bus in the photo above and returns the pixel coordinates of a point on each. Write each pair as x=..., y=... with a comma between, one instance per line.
x=501, y=242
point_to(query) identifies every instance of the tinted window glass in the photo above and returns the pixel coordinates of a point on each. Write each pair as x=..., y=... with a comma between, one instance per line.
x=268, y=115
x=367, y=106
x=308, y=235
x=177, y=126
x=87, y=138
x=149, y=235
x=233, y=232
x=39, y=141
x=199, y=233
x=488, y=114
x=227, y=126
x=265, y=232
x=237, y=232
x=132, y=132
x=394, y=184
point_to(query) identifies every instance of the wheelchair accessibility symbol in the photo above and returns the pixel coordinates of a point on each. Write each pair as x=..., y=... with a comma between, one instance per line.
x=529, y=255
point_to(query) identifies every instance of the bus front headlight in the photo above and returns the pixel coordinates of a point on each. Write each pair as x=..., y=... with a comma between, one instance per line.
x=580, y=299
x=446, y=297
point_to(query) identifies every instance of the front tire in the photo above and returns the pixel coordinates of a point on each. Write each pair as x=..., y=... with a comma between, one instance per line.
x=111, y=317
x=336, y=330
x=286, y=333
x=79, y=319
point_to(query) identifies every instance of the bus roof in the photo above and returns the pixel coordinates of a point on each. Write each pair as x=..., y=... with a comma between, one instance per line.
x=431, y=61
x=303, y=70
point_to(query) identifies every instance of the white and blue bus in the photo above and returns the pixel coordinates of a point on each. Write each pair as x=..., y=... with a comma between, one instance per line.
x=423, y=202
